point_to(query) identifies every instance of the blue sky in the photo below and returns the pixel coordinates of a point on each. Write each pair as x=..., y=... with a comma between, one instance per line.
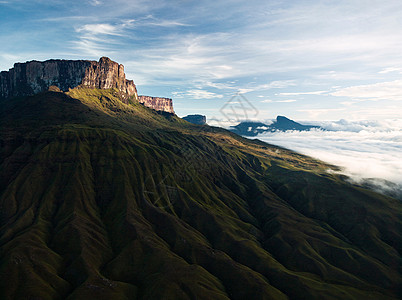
x=308, y=60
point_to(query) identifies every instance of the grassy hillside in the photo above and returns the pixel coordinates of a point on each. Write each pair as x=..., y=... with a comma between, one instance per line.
x=103, y=200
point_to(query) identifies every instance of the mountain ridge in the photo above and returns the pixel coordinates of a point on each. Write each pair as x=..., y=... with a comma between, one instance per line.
x=105, y=200
x=282, y=123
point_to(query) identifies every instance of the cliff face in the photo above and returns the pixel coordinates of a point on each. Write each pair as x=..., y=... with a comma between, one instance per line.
x=157, y=103
x=33, y=77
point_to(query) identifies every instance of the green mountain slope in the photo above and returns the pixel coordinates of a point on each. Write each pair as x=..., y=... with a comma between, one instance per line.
x=103, y=200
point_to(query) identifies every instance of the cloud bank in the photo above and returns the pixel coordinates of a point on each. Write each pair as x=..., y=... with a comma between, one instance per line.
x=364, y=149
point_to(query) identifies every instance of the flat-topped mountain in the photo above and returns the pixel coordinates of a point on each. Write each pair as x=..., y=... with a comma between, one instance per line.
x=157, y=103
x=26, y=79
x=33, y=77
x=282, y=123
x=196, y=119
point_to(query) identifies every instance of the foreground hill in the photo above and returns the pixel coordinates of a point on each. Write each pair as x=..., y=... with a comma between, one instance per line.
x=105, y=200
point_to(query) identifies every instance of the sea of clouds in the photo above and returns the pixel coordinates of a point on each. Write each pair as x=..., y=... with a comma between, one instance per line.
x=363, y=149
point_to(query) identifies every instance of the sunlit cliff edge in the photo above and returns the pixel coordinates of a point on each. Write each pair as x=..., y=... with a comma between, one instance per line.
x=33, y=77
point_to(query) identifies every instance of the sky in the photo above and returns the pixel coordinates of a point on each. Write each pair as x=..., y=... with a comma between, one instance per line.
x=307, y=60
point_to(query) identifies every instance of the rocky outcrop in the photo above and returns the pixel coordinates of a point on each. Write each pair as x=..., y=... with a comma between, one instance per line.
x=157, y=103
x=34, y=76
x=196, y=119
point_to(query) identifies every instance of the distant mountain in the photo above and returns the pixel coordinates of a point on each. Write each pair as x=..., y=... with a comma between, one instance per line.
x=196, y=119
x=281, y=124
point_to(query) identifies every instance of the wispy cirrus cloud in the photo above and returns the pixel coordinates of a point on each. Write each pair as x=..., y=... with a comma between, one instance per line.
x=391, y=90
x=320, y=113
x=286, y=101
x=390, y=70
x=96, y=39
x=95, y=2
x=198, y=94
x=216, y=85
x=267, y=101
x=303, y=93
x=106, y=29
x=276, y=84
x=150, y=20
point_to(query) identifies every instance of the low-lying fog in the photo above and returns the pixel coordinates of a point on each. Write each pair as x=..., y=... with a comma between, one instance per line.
x=364, y=149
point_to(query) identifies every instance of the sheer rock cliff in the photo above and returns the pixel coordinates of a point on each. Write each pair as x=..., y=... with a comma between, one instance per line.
x=33, y=77
x=157, y=103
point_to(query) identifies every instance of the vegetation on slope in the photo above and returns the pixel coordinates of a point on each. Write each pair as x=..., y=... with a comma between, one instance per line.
x=103, y=200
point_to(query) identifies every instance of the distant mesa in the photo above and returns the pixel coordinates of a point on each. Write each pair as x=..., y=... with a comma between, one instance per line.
x=196, y=119
x=30, y=78
x=282, y=123
x=157, y=103
x=33, y=77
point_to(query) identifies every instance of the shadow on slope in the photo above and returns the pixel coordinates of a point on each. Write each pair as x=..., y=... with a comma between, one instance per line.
x=111, y=201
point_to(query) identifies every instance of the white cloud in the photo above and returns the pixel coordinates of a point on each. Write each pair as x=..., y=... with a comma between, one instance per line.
x=362, y=126
x=336, y=76
x=320, y=113
x=391, y=90
x=347, y=103
x=365, y=149
x=202, y=94
x=217, y=85
x=390, y=70
x=165, y=23
x=95, y=29
x=267, y=101
x=286, y=101
x=379, y=113
x=277, y=84
x=95, y=2
x=303, y=93
x=90, y=47
x=221, y=122
x=100, y=38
